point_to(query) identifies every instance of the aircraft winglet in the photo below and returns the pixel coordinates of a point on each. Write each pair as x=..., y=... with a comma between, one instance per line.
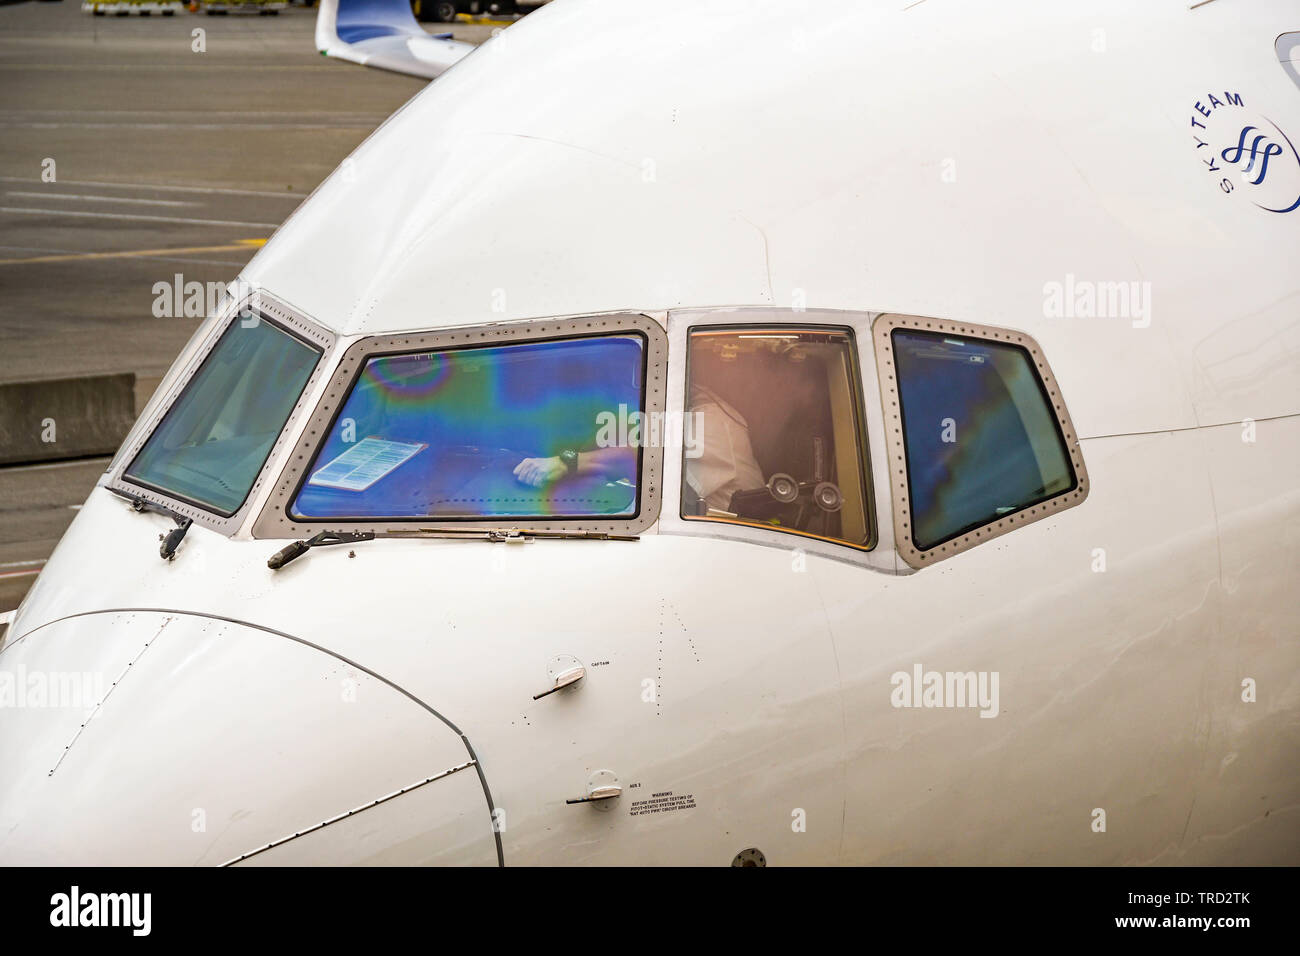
x=384, y=34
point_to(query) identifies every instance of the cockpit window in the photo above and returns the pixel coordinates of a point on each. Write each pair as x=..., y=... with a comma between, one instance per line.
x=215, y=438
x=544, y=429
x=981, y=437
x=773, y=434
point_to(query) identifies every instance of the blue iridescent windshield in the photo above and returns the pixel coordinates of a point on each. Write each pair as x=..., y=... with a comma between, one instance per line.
x=514, y=431
x=981, y=438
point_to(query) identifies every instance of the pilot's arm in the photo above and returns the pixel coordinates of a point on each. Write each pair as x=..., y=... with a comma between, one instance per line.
x=612, y=462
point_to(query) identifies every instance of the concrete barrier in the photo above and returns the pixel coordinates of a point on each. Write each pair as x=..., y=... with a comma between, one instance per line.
x=145, y=386
x=60, y=418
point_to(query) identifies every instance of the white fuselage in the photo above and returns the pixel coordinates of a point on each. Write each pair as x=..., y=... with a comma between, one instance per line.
x=962, y=161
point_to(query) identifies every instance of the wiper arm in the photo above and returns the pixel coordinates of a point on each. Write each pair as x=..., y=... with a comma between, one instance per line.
x=173, y=538
x=507, y=534
x=299, y=548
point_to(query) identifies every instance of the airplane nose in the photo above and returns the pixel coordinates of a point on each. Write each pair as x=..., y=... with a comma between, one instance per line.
x=164, y=738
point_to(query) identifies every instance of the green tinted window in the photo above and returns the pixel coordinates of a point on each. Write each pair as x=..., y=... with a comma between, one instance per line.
x=216, y=437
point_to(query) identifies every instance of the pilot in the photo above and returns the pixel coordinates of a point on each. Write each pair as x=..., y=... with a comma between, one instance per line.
x=725, y=463
x=614, y=463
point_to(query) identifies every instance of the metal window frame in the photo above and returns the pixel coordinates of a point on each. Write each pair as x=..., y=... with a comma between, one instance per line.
x=917, y=558
x=270, y=309
x=275, y=520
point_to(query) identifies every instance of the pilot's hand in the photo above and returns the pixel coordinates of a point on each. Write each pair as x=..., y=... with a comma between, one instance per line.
x=540, y=471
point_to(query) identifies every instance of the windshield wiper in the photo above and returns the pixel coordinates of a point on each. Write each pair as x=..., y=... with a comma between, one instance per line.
x=299, y=548
x=173, y=538
x=506, y=534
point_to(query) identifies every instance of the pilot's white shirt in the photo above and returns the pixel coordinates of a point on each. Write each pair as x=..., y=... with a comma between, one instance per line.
x=726, y=464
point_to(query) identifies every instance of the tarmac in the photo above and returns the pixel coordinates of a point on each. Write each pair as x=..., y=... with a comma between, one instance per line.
x=129, y=156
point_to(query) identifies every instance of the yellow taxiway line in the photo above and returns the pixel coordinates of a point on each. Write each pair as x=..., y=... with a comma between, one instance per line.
x=484, y=21
x=188, y=250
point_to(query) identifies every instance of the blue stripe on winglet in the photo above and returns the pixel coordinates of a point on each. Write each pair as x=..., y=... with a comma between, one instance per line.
x=365, y=19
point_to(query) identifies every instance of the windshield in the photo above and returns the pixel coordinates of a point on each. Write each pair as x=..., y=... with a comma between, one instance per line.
x=534, y=430
x=215, y=439
x=779, y=444
x=981, y=438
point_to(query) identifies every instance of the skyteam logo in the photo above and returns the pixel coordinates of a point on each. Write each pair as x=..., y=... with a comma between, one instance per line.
x=1246, y=152
x=1260, y=151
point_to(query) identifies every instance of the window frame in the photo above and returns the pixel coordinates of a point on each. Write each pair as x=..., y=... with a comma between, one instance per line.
x=899, y=477
x=864, y=459
x=268, y=309
x=277, y=521
x=879, y=554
